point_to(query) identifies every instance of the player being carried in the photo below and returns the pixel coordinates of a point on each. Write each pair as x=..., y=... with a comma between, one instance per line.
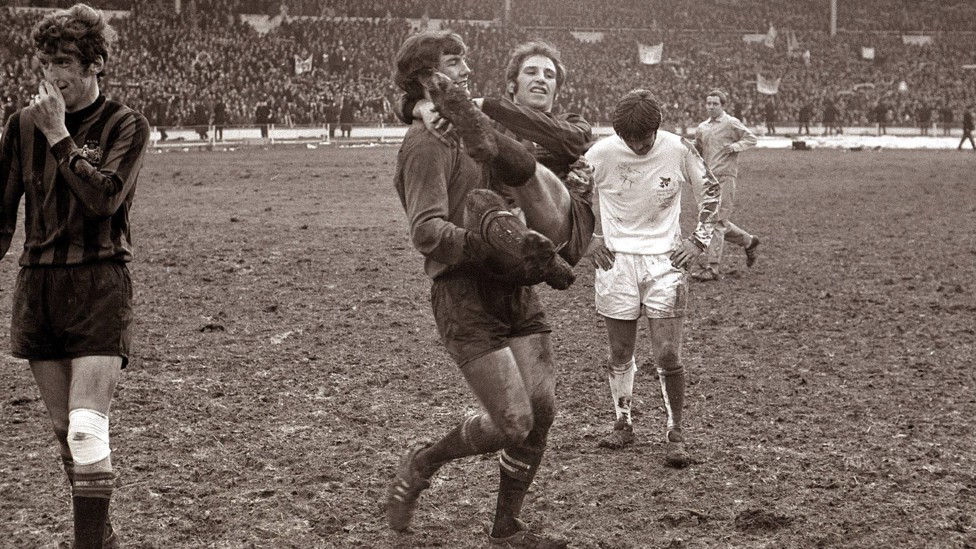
x=562, y=184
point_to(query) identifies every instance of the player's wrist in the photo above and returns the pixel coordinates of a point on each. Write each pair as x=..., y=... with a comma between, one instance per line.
x=694, y=240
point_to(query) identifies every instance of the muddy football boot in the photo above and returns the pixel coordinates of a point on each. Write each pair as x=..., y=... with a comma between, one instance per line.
x=401, y=498
x=519, y=254
x=621, y=436
x=675, y=453
x=752, y=252
x=454, y=104
x=524, y=539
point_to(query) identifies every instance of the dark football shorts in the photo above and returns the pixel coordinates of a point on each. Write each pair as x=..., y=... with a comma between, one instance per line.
x=72, y=311
x=477, y=315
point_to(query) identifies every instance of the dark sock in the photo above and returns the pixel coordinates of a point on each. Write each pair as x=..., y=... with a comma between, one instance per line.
x=90, y=516
x=467, y=439
x=511, y=495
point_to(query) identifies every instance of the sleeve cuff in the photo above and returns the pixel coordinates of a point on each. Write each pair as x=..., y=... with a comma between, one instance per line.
x=62, y=150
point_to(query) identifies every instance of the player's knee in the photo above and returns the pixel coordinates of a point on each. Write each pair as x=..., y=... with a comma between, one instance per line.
x=477, y=203
x=514, y=428
x=668, y=360
x=87, y=436
x=621, y=360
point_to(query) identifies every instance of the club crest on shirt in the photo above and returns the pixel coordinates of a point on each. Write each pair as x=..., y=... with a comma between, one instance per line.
x=665, y=181
x=92, y=153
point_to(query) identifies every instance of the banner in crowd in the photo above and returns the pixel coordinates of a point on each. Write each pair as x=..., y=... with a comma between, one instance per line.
x=767, y=86
x=589, y=37
x=969, y=67
x=303, y=65
x=770, y=40
x=867, y=53
x=792, y=44
x=916, y=39
x=650, y=55
x=754, y=38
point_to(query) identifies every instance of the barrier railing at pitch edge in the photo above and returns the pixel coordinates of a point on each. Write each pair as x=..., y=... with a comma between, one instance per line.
x=175, y=137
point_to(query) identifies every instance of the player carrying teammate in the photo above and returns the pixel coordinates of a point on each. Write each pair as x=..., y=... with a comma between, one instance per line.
x=494, y=329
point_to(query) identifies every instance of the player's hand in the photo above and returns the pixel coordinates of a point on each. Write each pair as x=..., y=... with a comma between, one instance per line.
x=684, y=255
x=601, y=256
x=728, y=149
x=433, y=121
x=47, y=112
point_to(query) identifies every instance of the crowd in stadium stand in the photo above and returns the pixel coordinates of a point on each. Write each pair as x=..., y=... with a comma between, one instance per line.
x=181, y=68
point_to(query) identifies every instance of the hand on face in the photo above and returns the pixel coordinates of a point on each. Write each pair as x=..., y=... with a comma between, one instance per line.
x=47, y=112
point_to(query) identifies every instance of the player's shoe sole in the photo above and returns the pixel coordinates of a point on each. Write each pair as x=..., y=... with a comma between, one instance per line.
x=454, y=104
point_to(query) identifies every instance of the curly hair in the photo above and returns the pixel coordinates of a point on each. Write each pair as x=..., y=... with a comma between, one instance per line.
x=80, y=30
x=420, y=54
x=637, y=115
x=523, y=51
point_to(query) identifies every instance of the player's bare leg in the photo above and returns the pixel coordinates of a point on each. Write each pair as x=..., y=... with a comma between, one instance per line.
x=621, y=367
x=561, y=209
x=78, y=394
x=666, y=336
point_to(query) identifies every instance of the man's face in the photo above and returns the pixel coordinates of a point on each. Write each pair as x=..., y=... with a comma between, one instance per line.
x=78, y=84
x=456, y=68
x=642, y=146
x=535, y=85
x=713, y=106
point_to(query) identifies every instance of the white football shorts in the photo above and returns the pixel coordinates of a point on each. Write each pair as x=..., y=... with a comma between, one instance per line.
x=639, y=283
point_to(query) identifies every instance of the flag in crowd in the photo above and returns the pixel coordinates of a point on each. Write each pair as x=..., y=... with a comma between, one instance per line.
x=770, y=40
x=303, y=65
x=767, y=86
x=916, y=39
x=792, y=44
x=650, y=55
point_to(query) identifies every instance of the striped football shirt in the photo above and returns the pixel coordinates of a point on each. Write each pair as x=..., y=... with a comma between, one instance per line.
x=78, y=193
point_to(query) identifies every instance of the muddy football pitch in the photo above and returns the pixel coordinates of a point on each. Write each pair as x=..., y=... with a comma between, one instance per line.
x=285, y=355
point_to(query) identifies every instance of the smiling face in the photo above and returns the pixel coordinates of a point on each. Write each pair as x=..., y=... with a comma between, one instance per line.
x=78, y=83
x=456, y=68
x=535, y=85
